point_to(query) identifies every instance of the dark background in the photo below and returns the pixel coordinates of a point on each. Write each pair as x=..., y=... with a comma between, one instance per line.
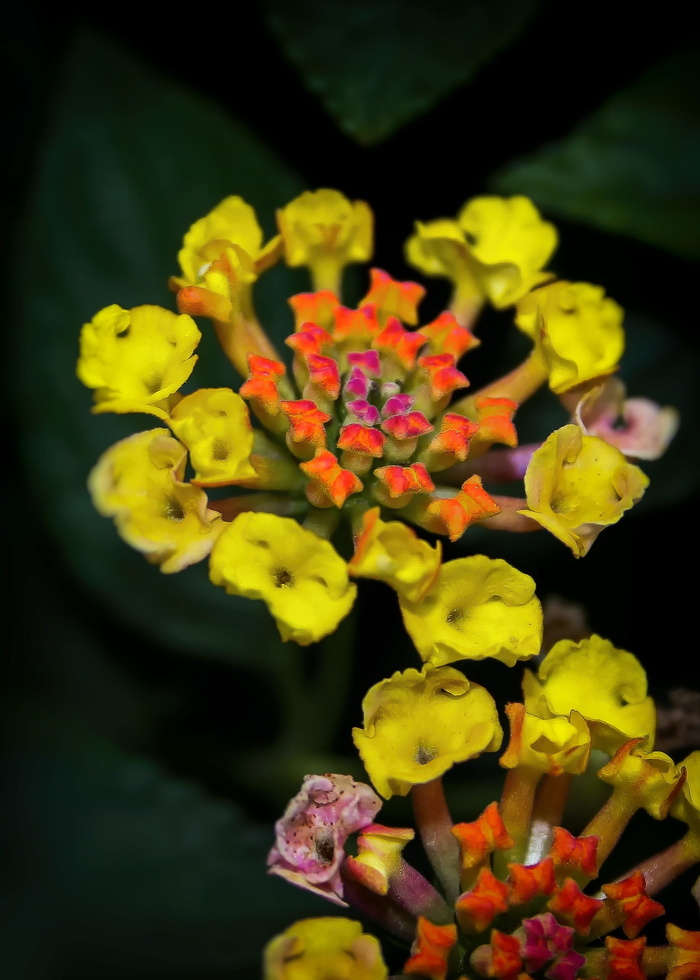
x=130, y=850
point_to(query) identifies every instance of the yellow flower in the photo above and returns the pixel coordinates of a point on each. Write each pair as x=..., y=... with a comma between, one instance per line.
x=300, y=577
x=393, y=553
x=135, y=359
x=495, y=250
x=549, y=745
x=215, y=426
x=606, y=685
x=651, y=780
x=324, y=948
x=138, y=482
x=687, y=804
x=230, y=227
x=576, y=485
x=582, y=337
x=478, y=607
x=419, y=723
x=379, y=856
x=325, y=231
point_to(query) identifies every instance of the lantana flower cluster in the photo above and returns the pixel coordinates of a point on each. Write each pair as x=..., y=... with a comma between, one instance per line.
x=370, y=422
x=512, y=894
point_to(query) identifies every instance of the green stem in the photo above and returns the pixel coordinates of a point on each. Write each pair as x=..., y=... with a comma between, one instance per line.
x=434, y=826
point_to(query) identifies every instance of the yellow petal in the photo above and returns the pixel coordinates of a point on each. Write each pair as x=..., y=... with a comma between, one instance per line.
x=139, y=483
x=576, y=485
x=328, y=947
x=479, y=607
x=215, y=426
x=601, y=682
x=136, y=358
x=300, y=577
x=583, y=336
x=231, y=222
x=393, y=553
x=419, y=723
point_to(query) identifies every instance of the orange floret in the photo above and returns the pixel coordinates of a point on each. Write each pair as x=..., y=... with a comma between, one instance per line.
x=529, y=880
x=452, y=516
x=306, y=421
x=262, y=384
x=324, y=373
x=495, y=418
x=401, y=480
x=358, y=438
x=330, y=484
x=477, y=908
x=318, y=308
x=625, y=958
x=454, y=437
x=431, y=949
x=408, y=426
x=574, y=853
x=399, y=299
x=402, y=344
x=630, y=897
x=311, y=339
x=446, y=336
x=442, y=374
x=481, y=837
x=571, y=905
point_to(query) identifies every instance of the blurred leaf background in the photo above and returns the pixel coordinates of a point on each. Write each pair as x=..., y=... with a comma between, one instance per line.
x=131, y=701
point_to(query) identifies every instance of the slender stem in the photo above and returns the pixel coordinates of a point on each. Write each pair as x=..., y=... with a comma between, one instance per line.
x=509, y=519
x=657, y=961
x=663, y=868
x=267, y=503
x=327, y=274
x=413, y=892
x=498, y=465
x=378, y=907
x=519, y=384
x=516, y=806
x=547, y=813
x=466, y=305
x=434, y=826
x=610, y=821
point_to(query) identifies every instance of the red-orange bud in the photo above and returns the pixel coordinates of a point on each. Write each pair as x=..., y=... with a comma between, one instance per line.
x=431, y=949
x=576, y=909
x=477, y=908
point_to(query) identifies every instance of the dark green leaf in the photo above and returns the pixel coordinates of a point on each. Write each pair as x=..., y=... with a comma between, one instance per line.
x=632, y=167
x=121, y=870
x=130, y=160
x=377, y=64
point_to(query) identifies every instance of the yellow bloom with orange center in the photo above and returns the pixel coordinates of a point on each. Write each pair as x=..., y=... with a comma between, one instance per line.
x=579, y=330
x=393, y=553
x=548, y=745
x=576, y=485
x=134, y=359
x=649, y=780
x=495, y=250
x=227, y=242
x=300, y=577
x=379, y=856
x=419, y=723
x=215, y=426
x=324, y=948
x=138, y=482
x=325, y=231
x=606, y=685
x=478, y=607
